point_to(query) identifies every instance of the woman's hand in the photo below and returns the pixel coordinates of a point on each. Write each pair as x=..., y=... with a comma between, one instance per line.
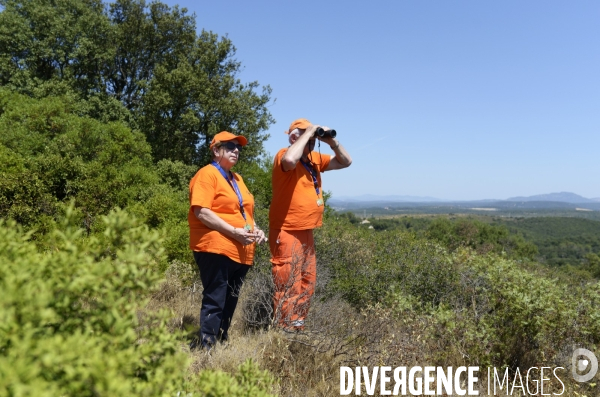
x=259, y=235
x=239, y=234
x=243, y=236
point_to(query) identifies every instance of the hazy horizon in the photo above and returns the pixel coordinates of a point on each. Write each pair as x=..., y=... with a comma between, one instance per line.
x=389, y=196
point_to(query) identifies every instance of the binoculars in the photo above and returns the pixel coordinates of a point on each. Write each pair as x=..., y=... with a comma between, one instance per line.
x=325, y=133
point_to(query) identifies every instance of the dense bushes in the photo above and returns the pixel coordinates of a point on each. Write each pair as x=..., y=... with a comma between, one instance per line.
x=51, y=157
x=69, y=318
x=59, y=156
x=481, y=237
x=365, y=265
x=506, y=315
x=453, y=233
x=486, y=307
x=69, y=322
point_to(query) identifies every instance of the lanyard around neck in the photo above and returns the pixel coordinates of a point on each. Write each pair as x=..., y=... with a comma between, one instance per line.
x=313, y=174
x=233, y=185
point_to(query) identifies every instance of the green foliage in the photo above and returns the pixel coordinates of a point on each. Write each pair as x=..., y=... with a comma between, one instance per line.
x=26, y=203
x=487, y=307
x=176, y=174
x=505, y=315
x=564, y=242
x=186, y=105
x=593, y=264
x=560, y=240
x=55, y=156
x=366, y=265
x=69, y=315
x=480, y=236
x=135, y=62
x=250, y=381
x=41, y=42
x=454, y=233
x=71, y=321
x=51, y=157
x=257, y=177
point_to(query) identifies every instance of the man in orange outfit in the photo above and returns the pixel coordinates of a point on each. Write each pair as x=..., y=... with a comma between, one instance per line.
x=296, y=209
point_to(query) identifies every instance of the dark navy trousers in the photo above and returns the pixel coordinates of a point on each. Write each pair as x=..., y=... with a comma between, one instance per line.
x=222, y=279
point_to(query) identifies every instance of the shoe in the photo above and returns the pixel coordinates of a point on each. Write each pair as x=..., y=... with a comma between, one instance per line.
x=296, y=326
x=195, y=344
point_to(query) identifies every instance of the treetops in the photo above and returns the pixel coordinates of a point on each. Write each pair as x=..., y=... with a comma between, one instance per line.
x=140, y=63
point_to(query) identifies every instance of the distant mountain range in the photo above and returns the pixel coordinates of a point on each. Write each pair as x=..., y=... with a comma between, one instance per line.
x=387, y=199
x=562, y=197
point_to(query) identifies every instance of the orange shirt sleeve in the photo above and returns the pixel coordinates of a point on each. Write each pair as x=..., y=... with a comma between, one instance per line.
x=203, y=189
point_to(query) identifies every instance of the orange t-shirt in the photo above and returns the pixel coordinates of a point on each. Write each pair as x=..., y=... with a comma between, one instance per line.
x=294, y=205
x=209, y=189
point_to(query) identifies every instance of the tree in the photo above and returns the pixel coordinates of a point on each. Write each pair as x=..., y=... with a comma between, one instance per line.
x=187, y=105
x=45, y=43
x=51, y=155
x=140, y=63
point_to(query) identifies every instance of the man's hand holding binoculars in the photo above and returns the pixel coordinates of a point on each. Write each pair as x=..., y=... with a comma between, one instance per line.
x=327, y=135
x=322, y=133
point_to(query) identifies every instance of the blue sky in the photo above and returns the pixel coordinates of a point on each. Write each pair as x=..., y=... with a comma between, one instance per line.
x=449, y=99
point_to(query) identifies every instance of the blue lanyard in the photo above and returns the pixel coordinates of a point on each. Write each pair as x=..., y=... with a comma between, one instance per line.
x=234, y=185
x=312, y=173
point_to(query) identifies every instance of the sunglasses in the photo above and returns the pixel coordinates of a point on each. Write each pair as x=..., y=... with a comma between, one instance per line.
x=230, y=146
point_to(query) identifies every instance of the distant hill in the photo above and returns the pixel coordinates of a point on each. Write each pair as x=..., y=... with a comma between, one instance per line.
x=388, y=199
x=551, y=201
x=563, y=197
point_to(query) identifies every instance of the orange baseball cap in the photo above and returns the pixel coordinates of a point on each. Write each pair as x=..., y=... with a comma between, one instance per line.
x=225, y=136
x=301, y=124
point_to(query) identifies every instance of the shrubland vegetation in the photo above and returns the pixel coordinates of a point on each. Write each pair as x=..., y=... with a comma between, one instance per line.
x=573, y=243
x=566, y=244
x=73, y=321
x=105, y=112
x=515, y=314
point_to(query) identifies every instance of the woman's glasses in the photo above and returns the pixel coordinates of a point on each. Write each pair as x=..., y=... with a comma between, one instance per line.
x=230, y=146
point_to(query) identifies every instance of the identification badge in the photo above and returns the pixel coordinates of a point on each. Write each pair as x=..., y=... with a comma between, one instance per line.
x=247, y=227
x=319, y=202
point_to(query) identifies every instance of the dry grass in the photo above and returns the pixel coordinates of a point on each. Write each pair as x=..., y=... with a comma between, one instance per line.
x=307, y=363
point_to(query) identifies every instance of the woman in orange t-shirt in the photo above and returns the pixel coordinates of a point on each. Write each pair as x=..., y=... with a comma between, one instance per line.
x=222, y=235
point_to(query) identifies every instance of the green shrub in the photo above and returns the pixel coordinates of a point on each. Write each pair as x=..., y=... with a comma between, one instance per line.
x=505, y=315
x=72, y=319
x=484, y=308
x=249, y=381
x=481, y=237
x=51, y=157
x=69, y=315
x=365, y=265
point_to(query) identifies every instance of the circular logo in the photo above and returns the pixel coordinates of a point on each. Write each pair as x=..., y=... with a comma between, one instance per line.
x=583, y=360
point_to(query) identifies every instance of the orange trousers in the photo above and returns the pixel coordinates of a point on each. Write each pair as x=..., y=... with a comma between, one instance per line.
x=294, y=275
